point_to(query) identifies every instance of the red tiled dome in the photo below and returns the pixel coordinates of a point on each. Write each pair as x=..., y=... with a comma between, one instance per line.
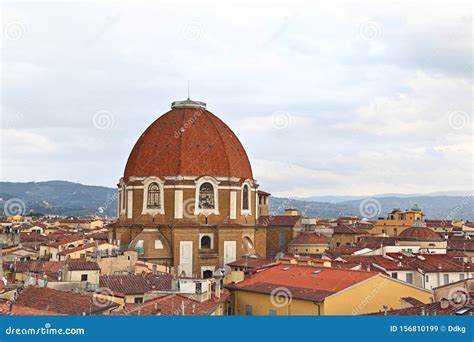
x=419, y=233
x=188, y=141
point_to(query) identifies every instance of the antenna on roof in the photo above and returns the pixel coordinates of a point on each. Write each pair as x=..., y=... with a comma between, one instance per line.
x=188, y=90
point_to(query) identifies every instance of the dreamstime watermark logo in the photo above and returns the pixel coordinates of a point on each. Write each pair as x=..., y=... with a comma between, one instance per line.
x=108, y=23
x=466, y=201
x=101, y=210
x=191, y=31
x=458, y=297
x=189, y=207
x=280, y=297
x=14, y=30
x=268, y=219
x=101, y=297
x=370, y=208
x=14, y=206
x=189, y=123
x=369, y=30
x=281, y=119
x=459, y=120
x=103, y=119
x=287, y=20
x=46, y=330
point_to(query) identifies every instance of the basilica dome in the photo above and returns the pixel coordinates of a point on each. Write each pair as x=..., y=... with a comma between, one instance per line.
x=418, y=231
x=188, y=140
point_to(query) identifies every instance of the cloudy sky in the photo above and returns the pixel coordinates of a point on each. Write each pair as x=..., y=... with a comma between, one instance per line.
x=335, y=99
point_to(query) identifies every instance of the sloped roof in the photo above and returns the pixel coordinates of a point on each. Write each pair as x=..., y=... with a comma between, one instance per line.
x=304, y=282
x=278, y=220
x=172, y=305
x=62, y=302
x=124, y=284
x=309, y=239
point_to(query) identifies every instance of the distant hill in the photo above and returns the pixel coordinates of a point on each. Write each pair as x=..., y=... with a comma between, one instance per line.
x=74, y=199
x=339, y=199
x=435, y=207
x=61, y=198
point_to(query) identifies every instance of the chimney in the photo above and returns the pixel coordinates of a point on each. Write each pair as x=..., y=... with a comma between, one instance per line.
x=182, y=308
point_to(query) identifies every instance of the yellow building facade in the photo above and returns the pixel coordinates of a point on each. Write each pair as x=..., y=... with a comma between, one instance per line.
x=374, y=294
x=397, y=221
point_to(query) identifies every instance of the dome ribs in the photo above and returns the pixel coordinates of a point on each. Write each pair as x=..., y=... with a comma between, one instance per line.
x=181, y=142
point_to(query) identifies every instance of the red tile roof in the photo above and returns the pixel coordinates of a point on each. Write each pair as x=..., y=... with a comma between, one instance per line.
x=9, y=309
x=309, y=239
x=461, y=245
x=173, y=304
x=82, y=247
x=66, y=240
x=60, y=302
x=420, y=233
x=412, y=301
x=166, y=148
x=304, y=282
x=347, y=229
x=38, y=266
x=432, y=262
x=434, y=309
x=82, y=265
x=439, y=223
x=124, y=284
x=32, y=237
x=278, y=220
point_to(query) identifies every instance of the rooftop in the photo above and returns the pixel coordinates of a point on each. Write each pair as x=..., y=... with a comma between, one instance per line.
x=124, y=284
x=60, y=302
x=278, y=220
x=309, y=239
x=304, y=282
x=82, y=265
x=173, y=305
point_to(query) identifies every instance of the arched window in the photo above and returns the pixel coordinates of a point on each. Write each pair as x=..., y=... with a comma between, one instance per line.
x=206, y=196
x=206, y=242
x=245, y=197
x=153, y=201
x=248, y=245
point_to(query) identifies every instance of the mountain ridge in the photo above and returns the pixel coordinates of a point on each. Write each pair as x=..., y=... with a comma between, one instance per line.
x=59, y=197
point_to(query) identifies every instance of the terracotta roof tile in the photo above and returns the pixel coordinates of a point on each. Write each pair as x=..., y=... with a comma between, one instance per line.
x=166, y=148
x=434, y=309
x=123, y=284
x=60, y=302
x=82, y=265
x=303, y=280
x=278, y=220
x=309, y=239
x=172, y=305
